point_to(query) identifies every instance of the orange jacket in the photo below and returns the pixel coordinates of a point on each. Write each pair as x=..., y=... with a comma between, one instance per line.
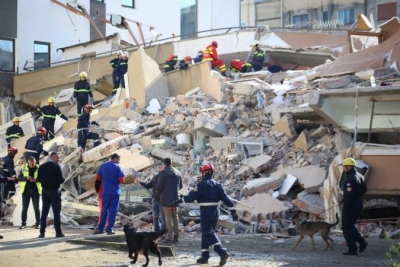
x=210, y=53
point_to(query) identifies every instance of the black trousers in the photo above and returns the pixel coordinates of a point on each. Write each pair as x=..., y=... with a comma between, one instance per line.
x=51, y=197
x=9, y=189
x=257, y=65
x=350, y=232
x=80, y=103
x=26, y=198
x=84, y=135
x=49, y=126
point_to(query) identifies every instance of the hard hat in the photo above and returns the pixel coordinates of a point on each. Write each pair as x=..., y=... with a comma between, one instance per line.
x=126, y=54
x=170, y=57
x=13, y=150
x=120, y=53
x=16, y=119
x=349, y=162
x=255, y=43
x=88, y=107
x=83, y=74
x=207, y=167
x=42, y=130
x=214, y=43
x=187, y=59
x=51, y=99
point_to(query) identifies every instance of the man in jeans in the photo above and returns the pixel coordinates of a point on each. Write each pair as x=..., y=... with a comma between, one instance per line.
x=168, y=184
x=158, y=213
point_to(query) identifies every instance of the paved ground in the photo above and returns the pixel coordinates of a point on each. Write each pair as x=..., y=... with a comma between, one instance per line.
x=23, y=248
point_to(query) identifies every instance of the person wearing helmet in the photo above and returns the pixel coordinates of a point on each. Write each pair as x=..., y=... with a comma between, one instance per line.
x=185, y=63
x=199, y=57
x=257, y=61
x=208, y=194
x=34, y=145
x=14, y=132
x=122, y=68
x=84, y=126
x=82, y=92
x=170, y=63
x=114, y=64
x=353, y=192
x=50, y=112
x=211, y=54
x=8, y=173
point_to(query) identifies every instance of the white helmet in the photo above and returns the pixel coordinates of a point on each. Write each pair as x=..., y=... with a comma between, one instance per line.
x=126, y=54
x=120, y=53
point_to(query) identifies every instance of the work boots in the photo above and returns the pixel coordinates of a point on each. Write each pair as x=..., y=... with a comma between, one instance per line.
x=223, y=259
x=202, y=260
x=175, y=241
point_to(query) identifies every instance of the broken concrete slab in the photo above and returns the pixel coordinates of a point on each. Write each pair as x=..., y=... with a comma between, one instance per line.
x=106, y=149
x=249, y=86
x=258, y=163
x=161, y=154
x=337, y=82
x=302, y=142
x=244, y=172
x=261, y=185
x=310, y=203
x=210, y=125
x=318, y=132
x=224, y=143
x=285, y=125
x=342, y=141
x=287, y=184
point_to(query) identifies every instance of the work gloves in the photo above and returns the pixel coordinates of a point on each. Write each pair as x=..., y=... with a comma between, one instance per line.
x=177, y=202
x=45, y=153
x=235, y=217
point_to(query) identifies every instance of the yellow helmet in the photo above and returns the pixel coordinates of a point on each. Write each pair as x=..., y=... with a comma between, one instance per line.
x=83, y=74
x=349, y=162
x=51, y=100
x=16, y=119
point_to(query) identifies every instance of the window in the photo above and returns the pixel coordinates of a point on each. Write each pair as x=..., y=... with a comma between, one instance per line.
x=42, y=55
x=99, y=1
x=387, y=11
x=325, y=16
x=300, y=20
x=6, y=54
x=128, y=3
x=346, y=16
x=188, y=19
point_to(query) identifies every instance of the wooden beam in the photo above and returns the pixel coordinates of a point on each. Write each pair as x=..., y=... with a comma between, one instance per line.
x=141, y=34
x=86, y=15
x=70, y=8
x=131, y=33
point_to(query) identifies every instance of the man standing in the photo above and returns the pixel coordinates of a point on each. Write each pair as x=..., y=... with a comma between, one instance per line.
x=257, y=61
x=114, y=64
x=51, y=178
x=168, y=184
x=111, y=176
x=34, y=145
x=14, y=132
x=82, y=92
x=211, y=54
x=50, y=113
x=121, y=70
x=353, y=192
x=30, y=189
x=208, y=194
x=84, y=126
x=8, y=172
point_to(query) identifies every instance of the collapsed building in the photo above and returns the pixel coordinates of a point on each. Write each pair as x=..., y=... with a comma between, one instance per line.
x=274, y=138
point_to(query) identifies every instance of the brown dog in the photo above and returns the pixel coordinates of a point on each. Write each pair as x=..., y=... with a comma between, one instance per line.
x=311, y=228
x=144, y=242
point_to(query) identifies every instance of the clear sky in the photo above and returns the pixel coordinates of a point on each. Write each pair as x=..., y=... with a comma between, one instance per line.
x=186, y=3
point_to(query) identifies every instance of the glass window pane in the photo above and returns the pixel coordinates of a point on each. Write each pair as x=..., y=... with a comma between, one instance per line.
x=188, y=19
x=128, y=3
x=41, y=55
x=6, y=55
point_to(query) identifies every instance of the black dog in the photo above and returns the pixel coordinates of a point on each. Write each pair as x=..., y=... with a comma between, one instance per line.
x=143, y=241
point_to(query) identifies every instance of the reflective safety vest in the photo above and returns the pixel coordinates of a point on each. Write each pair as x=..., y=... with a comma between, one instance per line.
x=25, y=173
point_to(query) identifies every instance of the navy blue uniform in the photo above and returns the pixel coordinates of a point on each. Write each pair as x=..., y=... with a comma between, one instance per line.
x=8, y=171
x=34, y=147
x=50, y=113
x=82, y=92
x=83, y=131
x=257, y=61
x=13, y=132
x=208, y=194
x=170, y=65
x=354, y=190
x=115, y=77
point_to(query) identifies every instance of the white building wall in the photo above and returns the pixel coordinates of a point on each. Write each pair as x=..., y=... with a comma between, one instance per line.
x=97, y=47
x=44, y=21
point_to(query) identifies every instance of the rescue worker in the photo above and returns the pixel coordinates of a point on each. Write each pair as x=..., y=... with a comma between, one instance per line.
x=185, y=63
x=208, y=194
x=49, y=113
x=8, y=172
x=257, y=61
x=34, y=145
x=14, y=132
x=170, y=63
x=211, y=54
x=199, y=57
x=122, y=68
x=114, y=64
x=353, y=192
x=30, y=189
x=84, y=126
x=82, y=93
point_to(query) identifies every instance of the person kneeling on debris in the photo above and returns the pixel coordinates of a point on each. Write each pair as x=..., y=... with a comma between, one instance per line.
x=84, y=126
x=34, y=145
x=185, y=63
x=170, y=63
x=8, y=173
x=208, y=194
x=14, y=132
x=257, y=62
x=30, y=189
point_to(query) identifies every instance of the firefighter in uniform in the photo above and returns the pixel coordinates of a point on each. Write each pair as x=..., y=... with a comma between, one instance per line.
x=211, y=54
x=114, y=64
x=121, y=69
x=82, y=92
x=84, y=126
x=170, y=63
x=8, y=172
x=34, y=145
x=49, y=113
x=257, y=61
x=354, y=189
x=208, y=194
x=14, y=132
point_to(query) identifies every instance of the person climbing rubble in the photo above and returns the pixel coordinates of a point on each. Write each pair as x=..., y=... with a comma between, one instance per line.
x=84, y=126
x=211, y=54
x=34, y=145
x=82, y=93
x=14, y=132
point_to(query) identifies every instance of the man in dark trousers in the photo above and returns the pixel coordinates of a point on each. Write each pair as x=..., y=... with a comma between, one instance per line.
x=50, y=112
x=168, y=184
x=84, y=126
x=34, y=145
x=208, y=194
x=82, y=93
x=14, y=132
x=353, y=192
x=114, y=64
x=51, y=178
x=30, y=189
x=110, y=176
x=8, y=172
x=122, y=69
x=257, y=61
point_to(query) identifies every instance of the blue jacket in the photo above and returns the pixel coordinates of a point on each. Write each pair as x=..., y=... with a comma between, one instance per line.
x=35, y=143
x=114, y=63
x=122, y=66
x=354, y=190
x=7, y=170
x=111, y=176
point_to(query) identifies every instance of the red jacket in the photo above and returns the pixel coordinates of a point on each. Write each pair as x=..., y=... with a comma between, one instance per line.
x=210, y=53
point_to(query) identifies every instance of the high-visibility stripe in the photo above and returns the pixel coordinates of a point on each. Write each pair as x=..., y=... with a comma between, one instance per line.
x=13, y=135
x=82, y=90
x=115, y=89
x=49, y=116
x=123, y=63
x=207, y=59
x=32, y=151
x=209, y=204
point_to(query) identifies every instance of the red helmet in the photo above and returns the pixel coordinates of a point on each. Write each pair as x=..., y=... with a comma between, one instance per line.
x=42, y=130
x=13, y=150
x=207, y=167
x=88, y=107
x=214, y=43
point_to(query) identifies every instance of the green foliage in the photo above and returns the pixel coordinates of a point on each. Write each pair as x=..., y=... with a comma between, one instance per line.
x=393, y=255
